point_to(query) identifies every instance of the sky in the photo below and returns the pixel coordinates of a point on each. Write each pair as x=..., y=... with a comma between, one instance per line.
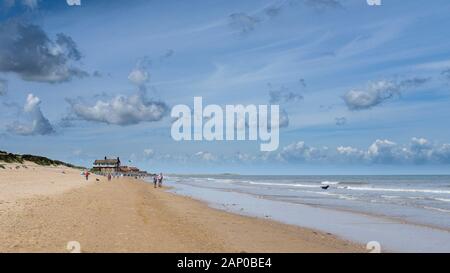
x=362, y=89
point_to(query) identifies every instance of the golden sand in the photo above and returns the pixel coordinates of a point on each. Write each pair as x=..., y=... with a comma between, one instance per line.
x=43, y=208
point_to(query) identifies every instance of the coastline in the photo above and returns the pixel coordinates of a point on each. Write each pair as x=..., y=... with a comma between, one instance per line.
x=394, y=235
x=129, y=215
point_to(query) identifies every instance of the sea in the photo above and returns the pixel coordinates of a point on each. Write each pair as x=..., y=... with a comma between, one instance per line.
x=403, y=213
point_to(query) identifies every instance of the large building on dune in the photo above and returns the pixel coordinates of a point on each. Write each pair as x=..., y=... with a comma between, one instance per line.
x=106, y=165
x=113, y=166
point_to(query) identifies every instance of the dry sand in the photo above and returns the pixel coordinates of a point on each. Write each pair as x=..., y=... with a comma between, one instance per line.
x=42, y=209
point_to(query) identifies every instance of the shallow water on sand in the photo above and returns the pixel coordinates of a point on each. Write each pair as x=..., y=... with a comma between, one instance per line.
x=407, y=213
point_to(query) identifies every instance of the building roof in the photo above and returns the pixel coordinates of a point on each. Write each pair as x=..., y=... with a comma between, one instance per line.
x=106, y=161
x=128, y=169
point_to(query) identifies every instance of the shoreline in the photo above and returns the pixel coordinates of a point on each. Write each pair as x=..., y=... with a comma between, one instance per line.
x=129, y=215
x=360, y=228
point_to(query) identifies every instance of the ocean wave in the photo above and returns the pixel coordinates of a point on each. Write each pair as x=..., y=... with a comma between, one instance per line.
x=217, y=180
x=284, y=184
x=437, y=209
x=395, y=190
x=354, y=183
x=442, y=199
x=391, y=196
x=329, y=182
x=338, y=195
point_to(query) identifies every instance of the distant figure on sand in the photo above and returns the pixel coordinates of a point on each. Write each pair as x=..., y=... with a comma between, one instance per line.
x=109, y=177
x=155, y=180
x=160, y=180
x=86, y=173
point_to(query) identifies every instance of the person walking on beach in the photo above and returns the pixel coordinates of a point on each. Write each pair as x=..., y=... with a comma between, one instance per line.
x=155, y=180
x=109, y=177
x=86, y=173
x=160, y=180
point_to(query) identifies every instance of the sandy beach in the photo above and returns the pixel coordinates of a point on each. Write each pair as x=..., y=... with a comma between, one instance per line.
x=43, y=208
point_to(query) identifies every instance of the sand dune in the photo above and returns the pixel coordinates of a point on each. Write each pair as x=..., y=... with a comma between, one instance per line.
x=42, y=209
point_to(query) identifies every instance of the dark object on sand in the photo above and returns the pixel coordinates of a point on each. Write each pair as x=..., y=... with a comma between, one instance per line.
x=96, y=179
x=325, y=187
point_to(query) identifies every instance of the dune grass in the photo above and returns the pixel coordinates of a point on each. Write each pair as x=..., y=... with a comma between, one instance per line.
x=40, y=160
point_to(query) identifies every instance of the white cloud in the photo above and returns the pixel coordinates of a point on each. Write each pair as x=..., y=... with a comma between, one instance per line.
x=349, y=153
x=419, y=151
x=301, y=152
x=138, y=76
x=28, y=51
x=39, y=123
x=73, y=2
x=32, y=103
x=381, y=151
x=442, y=153
x=378, y=92
x=205, y=156
x=121, y=110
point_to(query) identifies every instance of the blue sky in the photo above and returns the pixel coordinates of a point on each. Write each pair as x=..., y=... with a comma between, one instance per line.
x=365, y=89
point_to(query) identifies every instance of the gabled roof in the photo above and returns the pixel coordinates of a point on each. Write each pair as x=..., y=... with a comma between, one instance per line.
x=106, y=161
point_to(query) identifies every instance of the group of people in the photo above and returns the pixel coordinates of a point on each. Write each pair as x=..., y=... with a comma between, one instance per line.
x=157, y=180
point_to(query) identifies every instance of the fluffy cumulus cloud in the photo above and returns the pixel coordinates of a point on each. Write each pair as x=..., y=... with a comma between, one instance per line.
x=120, y=110
x=300, y=152
x=26, y=50
x=419, y=151
x=381, y=151
x=443, y=153
x=39, y=124
x=379, y=92
x=349, y=154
